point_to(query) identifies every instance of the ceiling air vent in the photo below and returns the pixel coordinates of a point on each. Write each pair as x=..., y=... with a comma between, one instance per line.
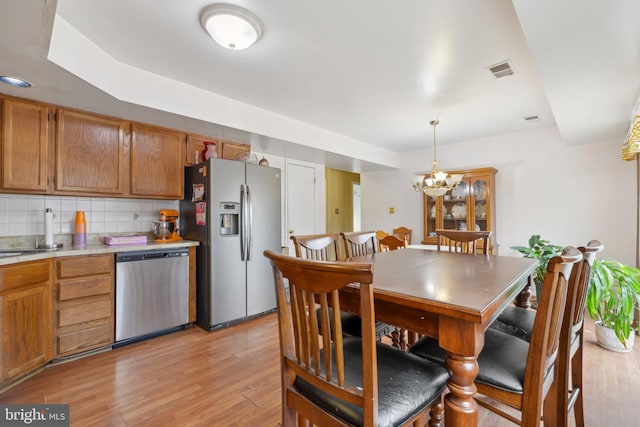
x=532, y=119
x=502, y=69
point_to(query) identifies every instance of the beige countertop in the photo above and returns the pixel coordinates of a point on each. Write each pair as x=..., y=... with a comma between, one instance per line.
x=90, y=249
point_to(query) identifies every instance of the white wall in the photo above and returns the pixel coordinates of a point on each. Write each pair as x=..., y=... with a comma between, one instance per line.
x=568, y=194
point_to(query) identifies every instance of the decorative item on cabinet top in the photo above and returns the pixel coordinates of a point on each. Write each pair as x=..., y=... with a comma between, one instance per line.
x=209, y=150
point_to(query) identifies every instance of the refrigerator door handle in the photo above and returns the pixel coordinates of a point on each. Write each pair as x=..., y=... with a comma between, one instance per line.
x=243, y=228
x=249, y=224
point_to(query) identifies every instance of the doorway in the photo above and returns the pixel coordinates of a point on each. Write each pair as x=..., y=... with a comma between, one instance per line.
x=341, y=215
x=355, y=197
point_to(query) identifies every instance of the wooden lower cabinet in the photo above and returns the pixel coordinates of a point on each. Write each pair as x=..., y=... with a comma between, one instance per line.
x=25, y=317
x=84, y=303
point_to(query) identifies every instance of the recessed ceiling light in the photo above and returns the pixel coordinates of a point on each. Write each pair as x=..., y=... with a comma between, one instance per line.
x=231, y=26
x=14, y=81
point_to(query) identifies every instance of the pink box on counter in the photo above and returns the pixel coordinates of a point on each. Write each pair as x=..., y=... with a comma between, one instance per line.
x=125, y=240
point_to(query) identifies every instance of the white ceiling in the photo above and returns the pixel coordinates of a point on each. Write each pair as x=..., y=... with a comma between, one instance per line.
x=351, y=82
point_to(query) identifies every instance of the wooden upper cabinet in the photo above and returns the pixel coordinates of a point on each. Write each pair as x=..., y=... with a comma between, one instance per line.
x=226, y=149
x=196, y=143
x=25, y=144
x=157, y=162
x=90, y=153
x=234, y=150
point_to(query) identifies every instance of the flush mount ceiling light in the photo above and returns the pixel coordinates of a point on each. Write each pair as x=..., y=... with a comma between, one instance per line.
x=231, y=26
x=14, y=81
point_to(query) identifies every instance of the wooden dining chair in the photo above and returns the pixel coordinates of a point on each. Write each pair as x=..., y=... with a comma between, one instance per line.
x=519, y=322
x=317, y=247
x=350, y=380
x=403, y=233
x=324, y=247
x=463, y=241
x=512, y=371
x=357, y=243
x=391, y=243
x=380, y=234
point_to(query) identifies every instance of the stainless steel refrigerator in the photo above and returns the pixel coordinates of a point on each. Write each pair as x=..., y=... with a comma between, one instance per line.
x=233, y=209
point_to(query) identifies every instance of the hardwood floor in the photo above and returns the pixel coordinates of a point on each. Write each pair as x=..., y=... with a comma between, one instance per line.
x=231, y=377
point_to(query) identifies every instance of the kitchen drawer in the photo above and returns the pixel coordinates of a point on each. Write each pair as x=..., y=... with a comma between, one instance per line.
x=24, y=274
x=84, y=266
x=84, y=287
x=81, y=313
x=84, y=340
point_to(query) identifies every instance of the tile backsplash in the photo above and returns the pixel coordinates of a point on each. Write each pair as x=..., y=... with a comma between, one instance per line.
x=23, y=215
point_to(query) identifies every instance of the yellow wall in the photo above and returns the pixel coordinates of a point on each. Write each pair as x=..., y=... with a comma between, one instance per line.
x=339, y=196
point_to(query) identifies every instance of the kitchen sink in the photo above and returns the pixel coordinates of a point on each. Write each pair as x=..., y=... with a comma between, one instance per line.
x=6, y=254
x=17, y=252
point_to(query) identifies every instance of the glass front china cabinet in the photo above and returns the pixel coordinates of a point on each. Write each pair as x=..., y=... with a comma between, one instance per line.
x=469, y=206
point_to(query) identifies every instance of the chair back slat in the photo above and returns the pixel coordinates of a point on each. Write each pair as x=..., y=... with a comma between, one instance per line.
x=299, y=308
x=462, y=241
x=359, y=243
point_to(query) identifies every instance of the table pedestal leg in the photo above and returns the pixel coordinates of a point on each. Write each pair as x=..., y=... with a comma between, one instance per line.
x=460, y=407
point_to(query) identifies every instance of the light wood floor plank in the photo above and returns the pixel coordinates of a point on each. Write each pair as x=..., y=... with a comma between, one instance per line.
x=231, y=378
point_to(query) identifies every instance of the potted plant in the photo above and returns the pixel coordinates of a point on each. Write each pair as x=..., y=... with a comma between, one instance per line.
x=541, y=250
x=614, y=292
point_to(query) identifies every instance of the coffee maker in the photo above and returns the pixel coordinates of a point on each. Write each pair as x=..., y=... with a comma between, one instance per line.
x=166, y=227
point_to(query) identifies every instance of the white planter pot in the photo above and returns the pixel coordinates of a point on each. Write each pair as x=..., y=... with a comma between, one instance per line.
x=607, y=338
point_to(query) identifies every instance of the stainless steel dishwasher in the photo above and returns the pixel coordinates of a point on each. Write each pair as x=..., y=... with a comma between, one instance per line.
x=152, y=292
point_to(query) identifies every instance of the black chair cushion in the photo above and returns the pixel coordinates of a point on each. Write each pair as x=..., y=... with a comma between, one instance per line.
x=352, y=325
x=501, y=363
x=406, y=384
x=516, y=321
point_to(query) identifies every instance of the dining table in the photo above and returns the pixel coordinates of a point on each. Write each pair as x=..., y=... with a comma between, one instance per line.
x=453, y=297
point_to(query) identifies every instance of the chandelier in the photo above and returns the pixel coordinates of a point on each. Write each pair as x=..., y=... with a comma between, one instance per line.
x=437, y=183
